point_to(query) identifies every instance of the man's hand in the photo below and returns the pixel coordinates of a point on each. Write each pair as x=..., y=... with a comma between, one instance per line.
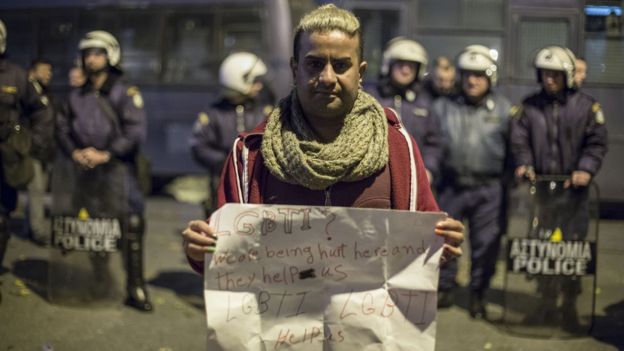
x=79, y=157
x=95, y=157
x=525, y=172
x=199, y=240
x=578, y=178
x=453, y=232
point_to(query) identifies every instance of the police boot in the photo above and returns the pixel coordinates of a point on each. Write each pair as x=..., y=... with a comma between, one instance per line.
x=137, y=292
x=476, y=306
x=4, y=239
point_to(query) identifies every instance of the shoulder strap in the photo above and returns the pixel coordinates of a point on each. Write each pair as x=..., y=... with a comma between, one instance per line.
x=106, y=106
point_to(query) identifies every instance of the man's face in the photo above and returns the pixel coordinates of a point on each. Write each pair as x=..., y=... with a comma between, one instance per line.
x=443, y=80
x=95, y=60
x=580, y=73
x=475, y=84
x=552, y=81
x=42, y=72
x=403, y=73
x=327, y=73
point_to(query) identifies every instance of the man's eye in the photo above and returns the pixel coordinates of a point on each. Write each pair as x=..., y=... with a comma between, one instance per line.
x=341, y=67
x=315, y=64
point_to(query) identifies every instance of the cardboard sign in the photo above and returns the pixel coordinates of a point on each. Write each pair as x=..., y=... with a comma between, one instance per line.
x=322, y=278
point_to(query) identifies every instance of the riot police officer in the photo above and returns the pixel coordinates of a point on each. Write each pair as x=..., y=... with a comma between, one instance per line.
x=245, y=101
x=20, y=107
x=559, y=131
x=475, y=128
x=104, y=125
x=402, y=71
x=40, y=76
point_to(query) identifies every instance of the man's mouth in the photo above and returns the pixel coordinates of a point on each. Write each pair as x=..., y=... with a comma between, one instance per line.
x=327, y=94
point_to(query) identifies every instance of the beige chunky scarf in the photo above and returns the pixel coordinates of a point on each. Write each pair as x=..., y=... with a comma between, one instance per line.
x=292, y=153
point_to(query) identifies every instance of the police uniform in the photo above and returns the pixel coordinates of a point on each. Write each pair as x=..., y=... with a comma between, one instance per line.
x=472, y=186
x=413, y=105
x=43, y=148
x=19, y=103
x=557, y=135
x=87, y=123
x=215, y=130
x=560, y=134
x=43, y=153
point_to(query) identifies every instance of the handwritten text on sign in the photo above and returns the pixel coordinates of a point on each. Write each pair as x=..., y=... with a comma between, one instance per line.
x=322, y=278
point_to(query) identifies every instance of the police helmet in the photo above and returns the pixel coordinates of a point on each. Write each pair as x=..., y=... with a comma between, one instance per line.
x=478, y=58
x=102, y=40
x=556, y=58
x=3, y=36
x=404, y=49
x=239, y=71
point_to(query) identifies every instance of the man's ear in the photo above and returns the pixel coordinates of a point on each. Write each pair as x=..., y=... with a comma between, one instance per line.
x=363, y=67
x=293, y=68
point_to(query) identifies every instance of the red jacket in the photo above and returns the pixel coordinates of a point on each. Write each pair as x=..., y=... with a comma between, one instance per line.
x=232, y=188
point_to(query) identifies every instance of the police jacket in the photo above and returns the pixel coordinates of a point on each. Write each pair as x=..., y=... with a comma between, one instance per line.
x=40, y=151
x=20, y=103
x=413, y=104
x=475, y=137
x=218, y=126
x=559, y=134
x=86, y=123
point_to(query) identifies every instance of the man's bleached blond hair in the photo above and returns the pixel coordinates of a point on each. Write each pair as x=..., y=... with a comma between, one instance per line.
x=327, y=18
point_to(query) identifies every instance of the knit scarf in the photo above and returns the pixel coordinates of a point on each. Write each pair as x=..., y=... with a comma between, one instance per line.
x=293, y=154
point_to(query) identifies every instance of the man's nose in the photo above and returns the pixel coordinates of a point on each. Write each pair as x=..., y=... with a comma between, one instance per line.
x=406, y=68
x=328, y=75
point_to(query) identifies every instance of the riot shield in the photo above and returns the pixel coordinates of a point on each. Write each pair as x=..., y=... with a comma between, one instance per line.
x=85, y=265
x=551, y=259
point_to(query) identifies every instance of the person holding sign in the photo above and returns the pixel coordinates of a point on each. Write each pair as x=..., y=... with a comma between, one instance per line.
x=326, y=144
